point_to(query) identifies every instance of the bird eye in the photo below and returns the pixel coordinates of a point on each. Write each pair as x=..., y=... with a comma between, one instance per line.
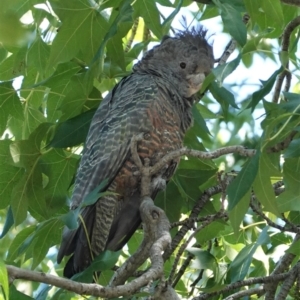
x=182, y=65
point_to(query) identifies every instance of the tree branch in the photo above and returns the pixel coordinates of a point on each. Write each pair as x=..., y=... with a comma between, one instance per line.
x=247, y=282
x=156, y=228
x=218, y=215
x=285, y=48
x=290, y=2
x=205, y=197
x=201, y=154
x=282, y=265
x=288, y=282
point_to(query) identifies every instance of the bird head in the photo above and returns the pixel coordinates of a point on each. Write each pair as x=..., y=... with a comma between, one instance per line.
x=184, y=60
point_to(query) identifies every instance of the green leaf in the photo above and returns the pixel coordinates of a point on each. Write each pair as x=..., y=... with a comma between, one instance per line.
x=291, y=168
x=239, y=268
x=4, y=279
x=293, y=149
x=149, y=12
x=29, y=191
x=36, y=196
x=19, y=201
x=60, y=167
x=12, y=32
x=43, y=291
x=263, y=188
x=289, y=200
x=60, y=84
x=14, y=65
x=172, y=208
x=294, y=248
x=9, y=174
x=292, y=97
x=207, y=81
x=94, y=195
x=18, y=241
x=104, y=261
x=223, y=96
x=46, y=235
x=203, y=259
x=83, y=27
x=253, y=8
x=73, y=131
x=222, y=71
x=9, y=104
x=241, y=185
x=237, y=213
x=232, y=20
x=34, y=117
x=124, y=15
x=267, y=86
x=273, y=11
x=19, y=7
x=70, y=219
x=3, y=54
x=14, y=294
x=211, y=11
x=9, y=222
x=199, y=120
x=167, y=22
x=210, y=232
x=76, y=97
x=205, y=112
x=38, y=55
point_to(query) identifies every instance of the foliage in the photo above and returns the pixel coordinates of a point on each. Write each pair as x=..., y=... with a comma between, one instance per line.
x=54, y=72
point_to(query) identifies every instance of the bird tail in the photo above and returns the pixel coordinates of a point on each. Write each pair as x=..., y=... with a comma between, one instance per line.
x=77, y=242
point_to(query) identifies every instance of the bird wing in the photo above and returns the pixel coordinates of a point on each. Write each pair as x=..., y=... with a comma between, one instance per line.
x=121, y=116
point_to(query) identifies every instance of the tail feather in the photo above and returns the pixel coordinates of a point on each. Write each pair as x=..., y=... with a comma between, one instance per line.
x=76, y=242
x=124, y=225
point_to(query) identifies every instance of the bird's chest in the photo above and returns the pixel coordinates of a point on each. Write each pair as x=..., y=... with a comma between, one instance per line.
x=164, y=134
x=161, y=135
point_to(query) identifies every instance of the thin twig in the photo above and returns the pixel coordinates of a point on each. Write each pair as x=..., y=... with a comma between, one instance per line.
x=201, y=154
x=218, y=215
x=205, y=197
x=283, y=144
x=247, y=282
x=288, y=282
x=285, y=48
x=282, y=265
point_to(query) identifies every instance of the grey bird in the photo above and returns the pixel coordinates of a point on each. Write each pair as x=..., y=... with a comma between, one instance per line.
x=155, y=100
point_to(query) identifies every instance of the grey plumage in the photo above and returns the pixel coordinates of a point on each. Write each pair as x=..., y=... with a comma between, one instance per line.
x=155, y=100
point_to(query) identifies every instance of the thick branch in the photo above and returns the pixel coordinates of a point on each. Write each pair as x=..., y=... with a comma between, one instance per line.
x=76, y=287
x=156, y=230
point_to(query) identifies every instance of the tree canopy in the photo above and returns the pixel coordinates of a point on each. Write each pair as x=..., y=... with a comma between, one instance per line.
x=234, y=202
